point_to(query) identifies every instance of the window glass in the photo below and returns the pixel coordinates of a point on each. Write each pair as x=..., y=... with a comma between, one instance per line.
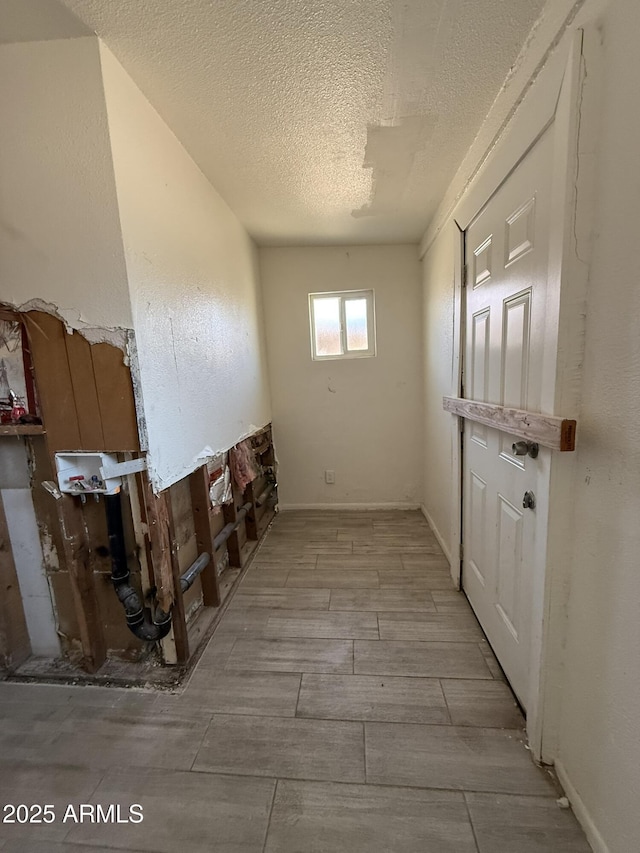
x=326, y=314
x=356, y=320
x=342, y=324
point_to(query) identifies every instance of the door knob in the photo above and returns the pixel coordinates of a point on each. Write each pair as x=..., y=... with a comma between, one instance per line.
x=529, y=500
x=524, y=448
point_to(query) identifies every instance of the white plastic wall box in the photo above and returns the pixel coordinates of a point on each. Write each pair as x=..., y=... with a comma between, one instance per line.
x=86, y=465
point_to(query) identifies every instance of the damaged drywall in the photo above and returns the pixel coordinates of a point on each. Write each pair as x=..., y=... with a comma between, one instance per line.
x=123, y=340
x=206, y=455
x=117, y=336
x=134, y=367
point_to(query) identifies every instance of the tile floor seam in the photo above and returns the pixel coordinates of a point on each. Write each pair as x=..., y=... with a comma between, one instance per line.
x=204, y=734
x=63, y=840
x=364, y=750
x=295, y=711
x=403, y=787
x=444, y=696
x=471, y=824
x=318, y=719
x=273, y=799
x=480, y=679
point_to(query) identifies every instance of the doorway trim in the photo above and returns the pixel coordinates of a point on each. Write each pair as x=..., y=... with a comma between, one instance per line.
x=553, y=103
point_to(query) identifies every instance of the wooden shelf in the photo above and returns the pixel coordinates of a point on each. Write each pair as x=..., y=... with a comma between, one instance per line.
x=549, y=431
x=21, y=429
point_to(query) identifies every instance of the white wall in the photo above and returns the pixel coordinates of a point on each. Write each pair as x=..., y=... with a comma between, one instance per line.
x=438, y=281
x=15, y=489
x=359, y=417
x=600, y=732
x=59, y=229
x=598, y=749
x=193, y=278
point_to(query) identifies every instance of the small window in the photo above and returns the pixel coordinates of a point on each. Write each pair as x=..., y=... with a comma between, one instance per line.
x=342, y=324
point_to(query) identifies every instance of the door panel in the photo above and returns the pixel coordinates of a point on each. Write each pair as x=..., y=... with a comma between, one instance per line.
x=519, y=232
x=506, y=248
x=477, y=523
x=482, y=263
x=515, y=352
x=509, y=562
x=480, y=368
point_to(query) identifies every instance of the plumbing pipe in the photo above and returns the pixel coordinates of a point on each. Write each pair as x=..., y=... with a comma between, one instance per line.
x=228, y=529
x=262, y=499
x=137, y=620
x=194, y=570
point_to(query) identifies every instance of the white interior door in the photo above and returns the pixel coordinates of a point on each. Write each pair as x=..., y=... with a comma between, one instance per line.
x=506, y=253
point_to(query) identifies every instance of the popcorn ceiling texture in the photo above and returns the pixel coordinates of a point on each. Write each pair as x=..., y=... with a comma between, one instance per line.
x=323, y=121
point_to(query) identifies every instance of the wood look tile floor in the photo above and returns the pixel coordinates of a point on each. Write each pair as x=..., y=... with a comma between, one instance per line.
x=348, y=701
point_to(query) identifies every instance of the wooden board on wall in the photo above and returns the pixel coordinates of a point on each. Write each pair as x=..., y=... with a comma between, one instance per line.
x=47, y=341
x=547, y=430
x=85, y=390
x=115, y=398
x=85, y=393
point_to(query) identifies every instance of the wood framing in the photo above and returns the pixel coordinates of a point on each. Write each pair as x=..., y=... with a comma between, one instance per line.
x=250, y=496
x=178, y=616
x=552, y=432
x=160, y=544
x=201, y=507
x=233, y=542
x=77, y=559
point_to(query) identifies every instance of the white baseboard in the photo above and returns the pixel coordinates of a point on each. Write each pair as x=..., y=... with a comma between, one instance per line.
x=355, y=507
x=580, y=810
x=436, y=533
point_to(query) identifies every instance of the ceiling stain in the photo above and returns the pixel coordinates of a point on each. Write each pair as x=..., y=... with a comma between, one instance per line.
x=390, y=153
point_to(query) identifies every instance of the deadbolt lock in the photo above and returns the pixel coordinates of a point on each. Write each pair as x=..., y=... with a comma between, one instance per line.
x=529, y=500
x=525, y=448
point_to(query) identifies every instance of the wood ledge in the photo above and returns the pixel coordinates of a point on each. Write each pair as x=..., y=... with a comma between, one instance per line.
x=547, y=430
x=21, y=429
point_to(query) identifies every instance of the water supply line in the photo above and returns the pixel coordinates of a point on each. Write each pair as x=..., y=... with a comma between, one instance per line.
x=194, y=570
x=266, y=494
x=230, y=528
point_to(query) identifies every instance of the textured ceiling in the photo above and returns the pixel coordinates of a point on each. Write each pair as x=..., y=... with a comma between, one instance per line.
x=37, y=20
x=320, y=121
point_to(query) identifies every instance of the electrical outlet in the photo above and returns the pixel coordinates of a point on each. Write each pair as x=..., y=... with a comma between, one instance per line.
x=330, y=477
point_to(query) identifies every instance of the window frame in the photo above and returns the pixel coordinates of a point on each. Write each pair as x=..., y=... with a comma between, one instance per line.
x=345, y=296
